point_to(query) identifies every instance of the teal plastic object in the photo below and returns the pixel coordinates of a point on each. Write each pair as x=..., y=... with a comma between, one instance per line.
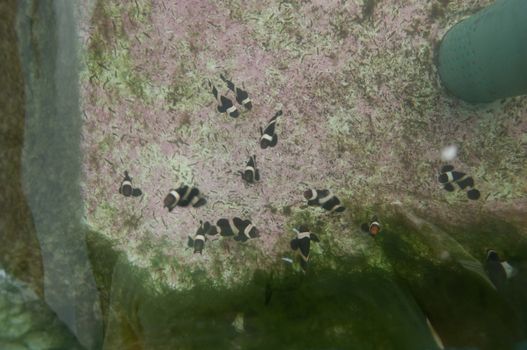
x=484, y=57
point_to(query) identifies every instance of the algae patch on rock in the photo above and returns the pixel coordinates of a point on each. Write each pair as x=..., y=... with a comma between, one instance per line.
x=364, y=116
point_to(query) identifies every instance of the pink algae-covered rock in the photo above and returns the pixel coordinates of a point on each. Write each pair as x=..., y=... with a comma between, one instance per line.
x=364, y=116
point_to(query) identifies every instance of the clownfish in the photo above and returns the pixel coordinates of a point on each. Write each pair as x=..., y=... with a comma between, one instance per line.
x=448, y=177
x=183, y=196
x=242, y=97
x=225, y=104
x=126, y=188
x=242, y=230
x=198, y=242
x=251, y=173
x=373, y=227
x=498, y=271
x=324, y=199
x=302, y=242
x=268, y=136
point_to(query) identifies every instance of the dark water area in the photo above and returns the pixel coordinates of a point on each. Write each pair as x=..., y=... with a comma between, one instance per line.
x=66, y=287
x=355, y=306
x=461, y=303
x=323, y=309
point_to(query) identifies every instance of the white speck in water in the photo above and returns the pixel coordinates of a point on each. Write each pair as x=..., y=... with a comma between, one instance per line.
x=289, y=260
x=449, y=153
x=445, y=255
x=238, y=322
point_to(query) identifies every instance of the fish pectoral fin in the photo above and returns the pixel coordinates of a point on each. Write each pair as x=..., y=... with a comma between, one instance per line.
x=314, y=237
x=190, y=242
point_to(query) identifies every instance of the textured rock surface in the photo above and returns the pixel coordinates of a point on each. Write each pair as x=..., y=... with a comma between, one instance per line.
x=26, y=322
x=364, y=115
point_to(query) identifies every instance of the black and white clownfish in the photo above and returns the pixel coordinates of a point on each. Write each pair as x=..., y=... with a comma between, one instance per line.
x=225, y=104
x=183, y=196
x=251, y=173
x=324, y=199
x=373, y=227
x=498, y=271
x=198, y=241
x=242, y=230
x=268, y=136
x=449, y=176
x=303, y=243
x=242, y=97
x=126, y=188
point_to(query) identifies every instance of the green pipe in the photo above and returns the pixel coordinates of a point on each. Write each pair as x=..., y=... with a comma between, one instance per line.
x=484, y=57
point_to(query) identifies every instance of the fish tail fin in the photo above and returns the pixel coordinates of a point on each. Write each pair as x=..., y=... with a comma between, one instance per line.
x=473, y=194
x=303, y=263
x=229, y=83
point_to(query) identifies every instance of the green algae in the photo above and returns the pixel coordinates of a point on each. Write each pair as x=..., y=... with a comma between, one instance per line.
x=109, y=61
x=312, y=309
x=351, y=304
x=27, y=322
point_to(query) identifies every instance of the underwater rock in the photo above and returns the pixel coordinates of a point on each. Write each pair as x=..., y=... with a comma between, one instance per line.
x=26, y=322
x=11, y=345
x=39, y=340
x=372, y=137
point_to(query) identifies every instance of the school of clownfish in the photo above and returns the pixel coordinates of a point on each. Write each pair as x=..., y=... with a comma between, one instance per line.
x=243, y=230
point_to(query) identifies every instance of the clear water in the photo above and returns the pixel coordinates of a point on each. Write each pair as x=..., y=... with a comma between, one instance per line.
x=85, y=293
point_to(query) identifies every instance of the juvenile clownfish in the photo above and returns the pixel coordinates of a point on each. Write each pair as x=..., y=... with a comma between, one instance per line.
x=242, y=97
x=268, y=136
x=373, y=227
x=251, y=173
x=303, y=243
x=324, y=199
x=448, y=177
x=225, y=104
x=242, y=230
x=198, y=242
x=498, y=271
x=183, y=196
x=126, y=188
